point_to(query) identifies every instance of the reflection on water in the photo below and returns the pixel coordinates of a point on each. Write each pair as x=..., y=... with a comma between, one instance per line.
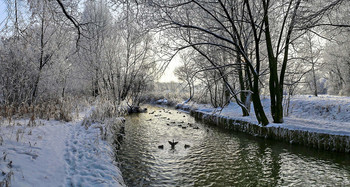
x=217, y=157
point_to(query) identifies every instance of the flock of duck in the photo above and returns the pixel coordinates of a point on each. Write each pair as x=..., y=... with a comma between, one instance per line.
x=182, y=125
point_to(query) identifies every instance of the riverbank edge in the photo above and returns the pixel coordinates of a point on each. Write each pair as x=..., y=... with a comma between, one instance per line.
x=322, y=141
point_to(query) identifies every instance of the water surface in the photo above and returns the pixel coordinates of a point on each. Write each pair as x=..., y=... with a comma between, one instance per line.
x=217, y=157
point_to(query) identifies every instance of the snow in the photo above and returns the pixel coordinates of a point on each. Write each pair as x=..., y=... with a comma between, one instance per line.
x=162, y=101
x=54, y=153
x=323, y=114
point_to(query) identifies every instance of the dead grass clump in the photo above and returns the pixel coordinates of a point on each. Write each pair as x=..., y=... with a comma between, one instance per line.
x=6, y=182
x=19, y=134
x=58, y=109
x=31, y=122
x=6, y=175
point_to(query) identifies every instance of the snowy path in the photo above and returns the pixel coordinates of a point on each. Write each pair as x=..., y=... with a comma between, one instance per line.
x=87, y=164
x=56, y=154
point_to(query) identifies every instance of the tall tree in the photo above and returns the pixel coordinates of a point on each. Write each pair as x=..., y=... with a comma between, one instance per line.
x=282, y=47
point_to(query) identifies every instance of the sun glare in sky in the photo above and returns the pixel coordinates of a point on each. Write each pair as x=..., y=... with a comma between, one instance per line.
x=169, y=75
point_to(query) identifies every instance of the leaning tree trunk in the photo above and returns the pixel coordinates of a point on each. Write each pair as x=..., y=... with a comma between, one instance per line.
x=258, y=108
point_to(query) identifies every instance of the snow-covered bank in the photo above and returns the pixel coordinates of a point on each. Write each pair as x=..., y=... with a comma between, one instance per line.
x=54, y=153
x=321, y=122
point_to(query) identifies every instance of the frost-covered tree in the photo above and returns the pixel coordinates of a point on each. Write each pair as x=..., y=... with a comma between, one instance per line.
x=337, y=59
x=117, y=53
x=187, y=72
x=97, y=30
x=35, y=48
x=307, y=53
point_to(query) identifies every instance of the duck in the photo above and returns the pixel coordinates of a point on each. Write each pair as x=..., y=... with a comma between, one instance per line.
x=195, y=127
x=173, y=143
x=187, y=146
x=184, y=127
x=160, y=146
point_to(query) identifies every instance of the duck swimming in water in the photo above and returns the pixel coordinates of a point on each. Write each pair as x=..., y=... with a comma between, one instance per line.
x=173, y=144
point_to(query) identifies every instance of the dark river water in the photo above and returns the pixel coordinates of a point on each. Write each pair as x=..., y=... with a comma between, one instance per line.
x=217, y=157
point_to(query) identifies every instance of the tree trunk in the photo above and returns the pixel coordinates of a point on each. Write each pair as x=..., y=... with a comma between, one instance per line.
x=35, y=87
x=314, y=79
x=95, y=91
x=241, y=82
x=258, y=108
x=275, y=89
x=254, y=87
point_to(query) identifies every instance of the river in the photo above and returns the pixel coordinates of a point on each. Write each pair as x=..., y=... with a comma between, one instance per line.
x=216, y=157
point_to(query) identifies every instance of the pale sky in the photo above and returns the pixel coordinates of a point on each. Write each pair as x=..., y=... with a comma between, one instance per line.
x=168, y=75
x=3, y=13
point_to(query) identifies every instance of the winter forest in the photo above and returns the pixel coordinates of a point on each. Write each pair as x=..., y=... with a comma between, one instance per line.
x=228, y=50
x=59, y=58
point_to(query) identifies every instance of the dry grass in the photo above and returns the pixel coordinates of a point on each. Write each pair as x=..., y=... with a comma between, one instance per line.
x=6, y=182
x=6, y=176
x=58, y=109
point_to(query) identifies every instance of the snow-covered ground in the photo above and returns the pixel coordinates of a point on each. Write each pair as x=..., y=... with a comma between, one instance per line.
x=54, y=153
x=323, y=114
